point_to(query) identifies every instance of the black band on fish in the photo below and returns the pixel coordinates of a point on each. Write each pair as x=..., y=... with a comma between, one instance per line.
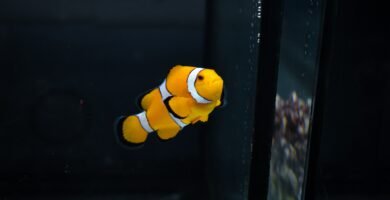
x=191, y=86
x=166, y=102
x=165, y=96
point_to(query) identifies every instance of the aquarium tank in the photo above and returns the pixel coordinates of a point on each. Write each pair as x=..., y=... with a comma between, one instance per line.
x=71, y=68
x=298, y=116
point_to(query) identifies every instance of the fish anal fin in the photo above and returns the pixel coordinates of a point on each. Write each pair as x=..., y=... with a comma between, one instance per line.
x=168, y=133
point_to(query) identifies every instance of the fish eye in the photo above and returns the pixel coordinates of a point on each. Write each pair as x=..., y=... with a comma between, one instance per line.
x=200, y=77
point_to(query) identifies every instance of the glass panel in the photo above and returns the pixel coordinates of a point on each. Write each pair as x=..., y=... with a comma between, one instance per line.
x=233, y=50
x=295, y=87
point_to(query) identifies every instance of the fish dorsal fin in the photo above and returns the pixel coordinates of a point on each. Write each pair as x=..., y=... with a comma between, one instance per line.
x=140, y=98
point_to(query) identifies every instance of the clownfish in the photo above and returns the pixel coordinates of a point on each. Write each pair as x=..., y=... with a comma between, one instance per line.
x=187, y=95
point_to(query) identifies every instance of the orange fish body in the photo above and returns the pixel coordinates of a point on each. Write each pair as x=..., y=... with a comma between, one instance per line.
x=188, y=95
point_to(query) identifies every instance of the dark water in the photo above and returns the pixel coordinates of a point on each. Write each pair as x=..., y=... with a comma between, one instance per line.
x=70, y=68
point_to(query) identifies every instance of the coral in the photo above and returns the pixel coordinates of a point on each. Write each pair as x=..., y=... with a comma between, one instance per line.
x=289, y=144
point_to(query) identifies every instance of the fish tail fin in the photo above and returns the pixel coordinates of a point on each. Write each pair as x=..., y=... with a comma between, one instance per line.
x=129, y=131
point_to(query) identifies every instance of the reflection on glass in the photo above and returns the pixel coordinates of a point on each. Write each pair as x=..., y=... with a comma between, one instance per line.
x=295, y=86
x=289, y=144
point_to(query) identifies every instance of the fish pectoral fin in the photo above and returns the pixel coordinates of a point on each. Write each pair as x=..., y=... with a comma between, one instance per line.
x=178, y=106
x=168, y=133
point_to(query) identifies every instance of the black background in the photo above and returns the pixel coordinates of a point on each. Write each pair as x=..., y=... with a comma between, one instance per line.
x=354, y=106
x=85, y=62
x=68, y=69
